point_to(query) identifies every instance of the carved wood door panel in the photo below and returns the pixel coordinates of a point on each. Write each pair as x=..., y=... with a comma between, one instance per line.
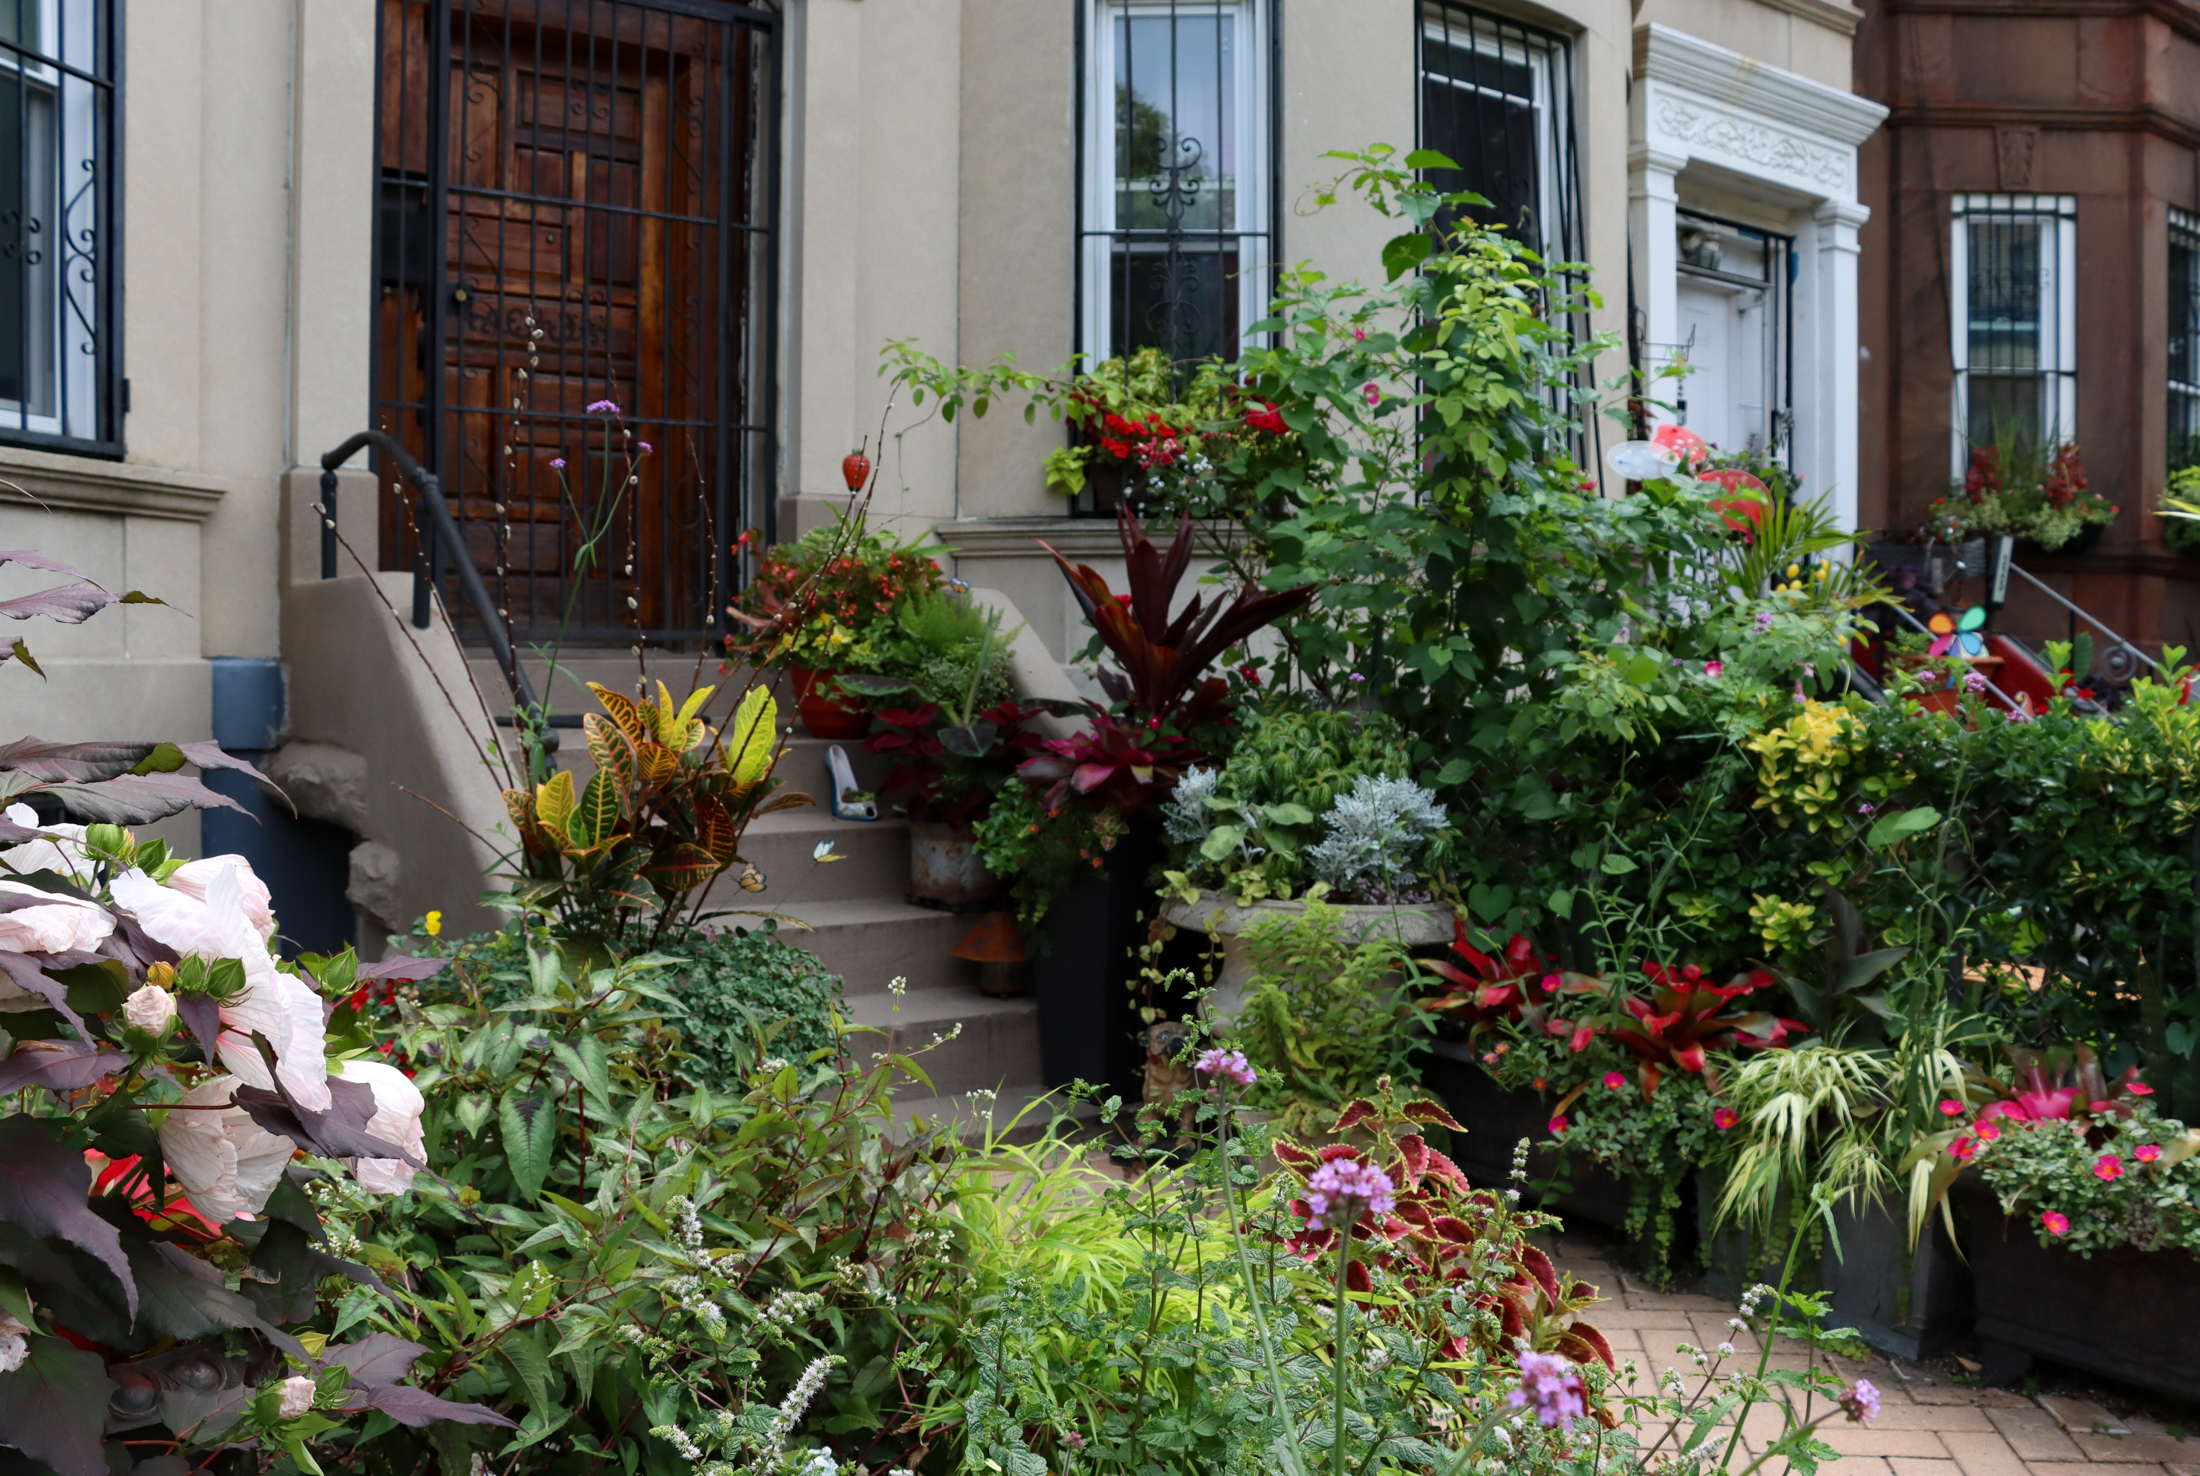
x=574, y=213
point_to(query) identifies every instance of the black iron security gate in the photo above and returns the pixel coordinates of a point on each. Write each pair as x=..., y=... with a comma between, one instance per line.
x=578, y=209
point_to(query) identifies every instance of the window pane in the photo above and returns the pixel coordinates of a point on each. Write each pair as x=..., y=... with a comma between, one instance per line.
x=29, y=245
x=1175, y=100
x=1183, y=302
x=2184, y=317
x=2005, y=305
x=2011, y=401
x=1481, y=108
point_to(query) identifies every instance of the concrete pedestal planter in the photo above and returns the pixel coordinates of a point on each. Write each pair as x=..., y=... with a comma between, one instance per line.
x=2126, y=1313
x=1220, y=916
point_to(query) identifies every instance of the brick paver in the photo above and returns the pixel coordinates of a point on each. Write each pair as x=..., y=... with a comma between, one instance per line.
x=1926, y=1427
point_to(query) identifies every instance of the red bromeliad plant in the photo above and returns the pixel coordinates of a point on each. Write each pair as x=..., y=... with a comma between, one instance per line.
x=1688, y=1016
x=1511, y=988
x=1162, y=694
x=1444, y=1235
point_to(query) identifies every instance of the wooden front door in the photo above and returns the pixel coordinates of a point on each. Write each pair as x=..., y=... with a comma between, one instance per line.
x=573, y=214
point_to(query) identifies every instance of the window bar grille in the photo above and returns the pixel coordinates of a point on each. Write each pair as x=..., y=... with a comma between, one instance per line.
x=1496, y=97
x=60, y=248
x=607, y=171
x=2184, y=350
x=2016, y=370
x=1184, y=215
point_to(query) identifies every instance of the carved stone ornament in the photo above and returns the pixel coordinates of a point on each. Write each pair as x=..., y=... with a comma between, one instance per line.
x=1711, y=131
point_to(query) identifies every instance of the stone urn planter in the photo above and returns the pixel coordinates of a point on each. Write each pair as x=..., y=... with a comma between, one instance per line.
x=2126, y=1313
x=1220, y=916
x=945, y=868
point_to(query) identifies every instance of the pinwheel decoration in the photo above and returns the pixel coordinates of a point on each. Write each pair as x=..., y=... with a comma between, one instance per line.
x=1959, y=636
x=1743, y=510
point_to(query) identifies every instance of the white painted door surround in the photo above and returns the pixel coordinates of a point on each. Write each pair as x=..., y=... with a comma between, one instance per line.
x=1705, y=117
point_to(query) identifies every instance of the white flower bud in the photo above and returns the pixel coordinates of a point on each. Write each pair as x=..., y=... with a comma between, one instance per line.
x=14, y=1352
x=297, y=1396
x=151, y=1009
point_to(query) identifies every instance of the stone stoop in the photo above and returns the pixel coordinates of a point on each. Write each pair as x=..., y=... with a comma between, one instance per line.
x=862, y=926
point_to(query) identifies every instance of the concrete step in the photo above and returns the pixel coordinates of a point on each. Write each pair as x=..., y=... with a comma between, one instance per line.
x=997, y=1047
x=874, y=860
x=870, y=941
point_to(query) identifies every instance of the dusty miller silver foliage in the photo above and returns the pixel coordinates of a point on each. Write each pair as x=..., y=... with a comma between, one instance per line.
x=1376, y=833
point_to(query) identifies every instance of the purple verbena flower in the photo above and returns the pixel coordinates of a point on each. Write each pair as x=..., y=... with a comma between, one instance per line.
x=1551, y=1386
x=1973, y=682
x=1344, y=1189
x=646, y=447
x=1229, y=1066
x=603, y=407
x=557, y=463
x=1764, y=621
x=2018, y=715
x=1861, y=1402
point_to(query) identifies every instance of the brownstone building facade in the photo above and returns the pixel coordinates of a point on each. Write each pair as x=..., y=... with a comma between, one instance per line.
x=2033, y=197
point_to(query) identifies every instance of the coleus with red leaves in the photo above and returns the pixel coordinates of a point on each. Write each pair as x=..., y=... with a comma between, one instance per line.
x=1161, y=695
x=1444, y=1235
x=950, y=770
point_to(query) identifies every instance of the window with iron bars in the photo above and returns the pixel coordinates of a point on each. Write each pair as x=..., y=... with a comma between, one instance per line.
x=1496, y=98
x=2014, y=308
x=2184, y=351
x=60, y=277
x=1175, y=199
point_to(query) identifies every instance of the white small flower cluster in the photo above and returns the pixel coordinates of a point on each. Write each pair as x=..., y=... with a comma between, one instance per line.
x=792, y=1408
x=772, y=1065
x=679, y=1440
x=898, y=985
x=864, y=1277
x=787, y=1308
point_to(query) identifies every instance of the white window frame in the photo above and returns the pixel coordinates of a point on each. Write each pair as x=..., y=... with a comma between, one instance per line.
x=1542, y=54
x=2059, y=307
x=2184, y=394
x=1251, y=182
x=60, y=340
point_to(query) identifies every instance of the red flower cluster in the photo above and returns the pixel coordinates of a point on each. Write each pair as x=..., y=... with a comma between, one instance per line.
x=1151, y=442
x=2065, y=477
x=1265, y=417
x=1984, y=473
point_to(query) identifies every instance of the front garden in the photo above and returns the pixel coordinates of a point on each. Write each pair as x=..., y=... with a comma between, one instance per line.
x=1452, y=847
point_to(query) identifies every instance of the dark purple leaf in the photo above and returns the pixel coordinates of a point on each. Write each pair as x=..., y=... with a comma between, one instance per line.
x=29, y=973
x=69, y=604
x=53, y=762
x=209, y=755
x=971, y=742
x=54, y=1407
x=377, y=1358
x=419, y=1408
x=404, y=968
x=202, y=1017
x=185, y=1298
x=340, y=1132
x=57, y=1065
x=31, y=558
x=43, y=1184
x=139, y=799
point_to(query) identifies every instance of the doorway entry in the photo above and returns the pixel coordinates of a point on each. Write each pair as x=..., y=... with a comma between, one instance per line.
x=577, y=208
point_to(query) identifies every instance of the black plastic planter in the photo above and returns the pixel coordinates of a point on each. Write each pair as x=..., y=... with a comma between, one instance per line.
x=1496, y=1120
x=2126, y=1313
x=1088, y=1025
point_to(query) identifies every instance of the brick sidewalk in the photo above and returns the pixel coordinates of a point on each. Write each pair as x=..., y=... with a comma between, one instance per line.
x=1927, y=1426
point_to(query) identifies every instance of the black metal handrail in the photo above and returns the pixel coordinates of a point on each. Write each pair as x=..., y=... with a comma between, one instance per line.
x=433, y=522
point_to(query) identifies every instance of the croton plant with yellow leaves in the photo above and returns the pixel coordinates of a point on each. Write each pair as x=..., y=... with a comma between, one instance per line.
x=661, y=817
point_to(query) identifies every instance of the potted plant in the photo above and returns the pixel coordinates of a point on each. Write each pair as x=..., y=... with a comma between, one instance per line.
x=830, y=603
x=2081, y=1223
x=959, y=739
x=1167, y=712
x=2030, y=487
x=1312, y=802
x=2181, y=513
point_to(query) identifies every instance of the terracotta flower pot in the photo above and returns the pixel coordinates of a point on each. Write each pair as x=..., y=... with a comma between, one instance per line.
x=825, y=712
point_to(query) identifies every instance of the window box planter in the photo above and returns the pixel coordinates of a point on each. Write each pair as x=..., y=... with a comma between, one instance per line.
x=1220, y=916
x=1911, y=1306
x=2125, y=1313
